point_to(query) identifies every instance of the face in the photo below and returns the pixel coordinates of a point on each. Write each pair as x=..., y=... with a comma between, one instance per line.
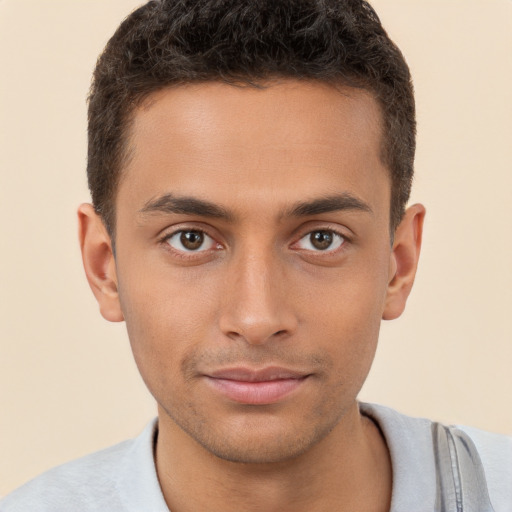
x=253, y=260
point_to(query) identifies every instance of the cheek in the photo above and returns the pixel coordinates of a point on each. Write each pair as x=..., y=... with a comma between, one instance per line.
x=350, y=305
x=158, y=298
x=166, y=319
x=350, y=299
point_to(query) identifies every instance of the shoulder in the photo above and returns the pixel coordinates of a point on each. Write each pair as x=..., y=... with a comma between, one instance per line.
x=410, y=441
x=100, y=481
x=71, y=486
x=495, y=452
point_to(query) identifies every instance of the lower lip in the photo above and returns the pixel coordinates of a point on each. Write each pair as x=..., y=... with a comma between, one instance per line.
x=256, y=393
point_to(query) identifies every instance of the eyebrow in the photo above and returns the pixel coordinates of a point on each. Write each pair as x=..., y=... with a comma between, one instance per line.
x=338, y=202
x=186, y=205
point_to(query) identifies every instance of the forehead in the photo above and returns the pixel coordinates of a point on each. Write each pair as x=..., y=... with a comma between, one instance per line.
x=223, y=141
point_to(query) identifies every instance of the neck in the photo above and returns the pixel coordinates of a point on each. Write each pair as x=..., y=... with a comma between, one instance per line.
x=349, y=469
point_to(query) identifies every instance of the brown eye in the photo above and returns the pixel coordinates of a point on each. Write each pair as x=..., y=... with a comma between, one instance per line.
x=191, y=241
x=321, y=240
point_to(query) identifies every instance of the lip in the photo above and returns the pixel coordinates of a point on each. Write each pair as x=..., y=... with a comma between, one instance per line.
x=256, y=387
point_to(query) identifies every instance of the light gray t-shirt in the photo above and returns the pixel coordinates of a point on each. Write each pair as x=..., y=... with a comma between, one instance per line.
x=123, y=478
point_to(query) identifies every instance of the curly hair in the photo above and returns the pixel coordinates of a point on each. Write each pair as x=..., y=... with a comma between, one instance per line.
x=246, y=42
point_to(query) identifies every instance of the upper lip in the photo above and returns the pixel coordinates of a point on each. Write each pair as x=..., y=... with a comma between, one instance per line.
x=244, y=374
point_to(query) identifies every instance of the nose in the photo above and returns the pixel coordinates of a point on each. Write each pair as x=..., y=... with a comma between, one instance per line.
x=257, y=306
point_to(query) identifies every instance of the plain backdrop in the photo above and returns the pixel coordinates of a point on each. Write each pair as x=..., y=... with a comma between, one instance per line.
x=68, y=385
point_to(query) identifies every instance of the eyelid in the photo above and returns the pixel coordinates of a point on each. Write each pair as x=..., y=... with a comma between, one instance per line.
x=337, y=241
x=207, y=240
x=169, y=232
x=308, y=229
x=303, y=231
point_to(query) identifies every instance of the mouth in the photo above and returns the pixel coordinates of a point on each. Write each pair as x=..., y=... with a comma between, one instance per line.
x=256, y=387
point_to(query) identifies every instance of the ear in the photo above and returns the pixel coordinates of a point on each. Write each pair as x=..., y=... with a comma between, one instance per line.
x=99, y=262
x=404, y=261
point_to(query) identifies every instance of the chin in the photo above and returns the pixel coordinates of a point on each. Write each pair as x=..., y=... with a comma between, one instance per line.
x=255, y=439
x=259, y=451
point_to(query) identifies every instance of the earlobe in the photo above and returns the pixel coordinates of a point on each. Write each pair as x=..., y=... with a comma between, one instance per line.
x=404, y=261
x=99, y=262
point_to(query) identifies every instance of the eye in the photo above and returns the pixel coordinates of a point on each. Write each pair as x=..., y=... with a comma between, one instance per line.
x=191, y=240
x=321, y=240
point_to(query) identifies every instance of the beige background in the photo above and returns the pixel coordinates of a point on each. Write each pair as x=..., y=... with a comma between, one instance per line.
x=68, y=385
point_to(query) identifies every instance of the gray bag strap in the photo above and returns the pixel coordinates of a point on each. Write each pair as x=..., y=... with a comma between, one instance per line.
x=461, y=483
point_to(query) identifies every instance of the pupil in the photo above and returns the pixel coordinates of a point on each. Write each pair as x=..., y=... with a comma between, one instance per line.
x=321, y=239
x=192, y=239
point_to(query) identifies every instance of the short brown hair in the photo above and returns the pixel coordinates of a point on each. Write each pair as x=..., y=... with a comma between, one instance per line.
x=173, y=42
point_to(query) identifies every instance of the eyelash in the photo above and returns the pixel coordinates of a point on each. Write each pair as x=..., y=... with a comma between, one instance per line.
x=183, y=254
x=189, y=255
x=327, y=252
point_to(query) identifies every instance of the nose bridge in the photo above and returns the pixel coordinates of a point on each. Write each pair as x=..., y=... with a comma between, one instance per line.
x=256, y=307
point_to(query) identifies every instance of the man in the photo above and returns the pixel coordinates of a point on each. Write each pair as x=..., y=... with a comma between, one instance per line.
x=250, y=164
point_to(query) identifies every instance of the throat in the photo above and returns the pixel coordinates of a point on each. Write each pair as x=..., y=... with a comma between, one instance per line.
x=348, y=470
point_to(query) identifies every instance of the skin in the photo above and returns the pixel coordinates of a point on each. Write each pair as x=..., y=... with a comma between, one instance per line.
x=255, y=167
